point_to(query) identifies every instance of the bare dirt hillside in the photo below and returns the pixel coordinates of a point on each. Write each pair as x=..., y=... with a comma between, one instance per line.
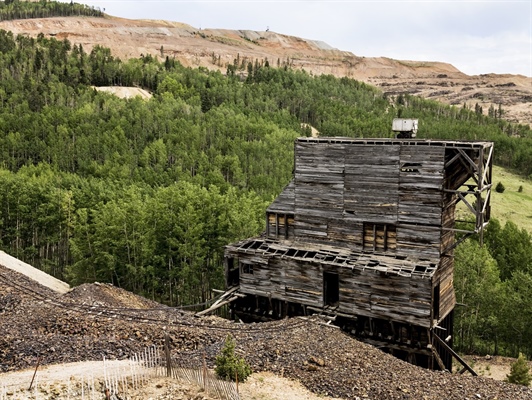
x=216, y=48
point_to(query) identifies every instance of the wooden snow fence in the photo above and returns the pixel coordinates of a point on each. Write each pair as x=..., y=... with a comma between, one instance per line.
x=192, y=368
x=123, y=379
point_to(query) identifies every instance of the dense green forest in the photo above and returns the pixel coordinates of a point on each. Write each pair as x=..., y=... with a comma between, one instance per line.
x=145, y=193
x=493, y=286
x=21, y=9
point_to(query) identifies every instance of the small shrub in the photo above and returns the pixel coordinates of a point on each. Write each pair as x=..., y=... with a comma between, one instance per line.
x=228, y=365
x=499, y=188
x=519, y=372
x=520, y=190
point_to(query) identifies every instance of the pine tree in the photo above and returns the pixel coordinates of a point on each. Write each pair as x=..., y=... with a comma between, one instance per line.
x=520, y=372
x=228, y=365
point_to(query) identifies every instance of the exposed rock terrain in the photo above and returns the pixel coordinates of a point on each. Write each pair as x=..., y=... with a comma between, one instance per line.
x=216, y=48
x=99, y=320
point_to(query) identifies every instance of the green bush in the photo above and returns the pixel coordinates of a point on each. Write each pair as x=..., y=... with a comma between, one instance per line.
x=228, y=365
x=520, y=372
x=499, y=188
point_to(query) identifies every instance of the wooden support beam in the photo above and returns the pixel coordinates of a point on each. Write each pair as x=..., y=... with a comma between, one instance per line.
x=451, y=247
x=452, y=160
x=225, y=298
x=468, y=159
x=466, y=203
x=438, y=358
x=213, y=308
x=455, y=355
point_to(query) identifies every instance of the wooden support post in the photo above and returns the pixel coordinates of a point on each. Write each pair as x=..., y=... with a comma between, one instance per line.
x=35, y=372
x=204, y=372
x=438, y=358
x=167, y=354
x=450, y=350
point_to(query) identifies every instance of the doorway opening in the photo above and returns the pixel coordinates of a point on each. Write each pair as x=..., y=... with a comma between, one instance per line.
x=331, y=289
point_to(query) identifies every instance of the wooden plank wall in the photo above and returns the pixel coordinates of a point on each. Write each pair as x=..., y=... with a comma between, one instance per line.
x=371, y=183
x=391, y=297
x=338, y=187
x=284, y=203
x=448, y=221
x=445, y=272
x=319, y=189
x=362, y=292
x=420, y=200
x=418, y=240
x=445, y=276
x=420, y=186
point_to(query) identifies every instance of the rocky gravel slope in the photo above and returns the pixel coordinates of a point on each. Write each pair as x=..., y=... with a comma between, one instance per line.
x=99, y=320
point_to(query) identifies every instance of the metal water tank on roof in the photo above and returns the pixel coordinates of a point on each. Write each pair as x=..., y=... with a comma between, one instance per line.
x=404, y=125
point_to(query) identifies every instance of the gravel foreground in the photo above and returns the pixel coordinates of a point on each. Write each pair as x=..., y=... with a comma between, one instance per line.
x=98, y=320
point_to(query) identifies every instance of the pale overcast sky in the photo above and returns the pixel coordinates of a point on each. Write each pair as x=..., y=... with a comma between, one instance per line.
x=477, y=37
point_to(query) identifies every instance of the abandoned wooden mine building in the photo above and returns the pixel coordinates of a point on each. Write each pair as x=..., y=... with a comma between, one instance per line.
x=364, y=233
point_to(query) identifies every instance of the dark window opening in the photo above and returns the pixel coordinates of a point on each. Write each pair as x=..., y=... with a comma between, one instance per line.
x=331, y=289
x=410, y=167
x=379, y=237
x=233, y=272
x=247, y=269
x=280, y=225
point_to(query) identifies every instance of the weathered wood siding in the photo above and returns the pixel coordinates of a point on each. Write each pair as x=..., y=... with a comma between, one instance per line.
x=337, y=188
x=444, y=276
x=371, y=183
x=379, y=213
x=391, y=297
x=284, y=203
x=445, y=273
x=421, y=184
x=366, y=292
x=319, y=189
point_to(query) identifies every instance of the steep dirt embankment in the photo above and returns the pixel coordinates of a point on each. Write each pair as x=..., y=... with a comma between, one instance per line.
x=216, y=48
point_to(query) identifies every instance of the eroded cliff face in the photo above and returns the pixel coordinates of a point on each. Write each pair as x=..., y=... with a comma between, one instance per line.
x=216, y=48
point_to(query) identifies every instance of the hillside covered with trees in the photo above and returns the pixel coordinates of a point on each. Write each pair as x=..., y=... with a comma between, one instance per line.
x=145, y=193
x=20, y=9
